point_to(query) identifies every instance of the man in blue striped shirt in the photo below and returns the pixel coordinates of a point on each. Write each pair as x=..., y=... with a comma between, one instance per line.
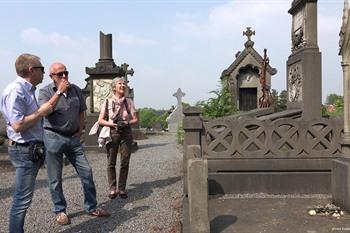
x=25, y=131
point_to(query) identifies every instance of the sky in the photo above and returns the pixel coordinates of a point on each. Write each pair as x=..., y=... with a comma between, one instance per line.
x=170, y=44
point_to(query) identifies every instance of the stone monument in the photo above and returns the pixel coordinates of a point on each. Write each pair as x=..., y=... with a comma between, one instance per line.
x=98, y=87
x=304, y=64
x=175, y=118
x=244, y=76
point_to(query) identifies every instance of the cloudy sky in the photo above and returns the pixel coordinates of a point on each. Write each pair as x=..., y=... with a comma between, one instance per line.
x=170, y=44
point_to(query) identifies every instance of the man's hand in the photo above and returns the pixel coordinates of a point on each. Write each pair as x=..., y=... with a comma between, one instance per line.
x=45, y=109
x=63, y=86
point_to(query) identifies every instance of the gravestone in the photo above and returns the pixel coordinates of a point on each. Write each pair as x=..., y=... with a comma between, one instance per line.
x=157, y=126
x=243, y=75
x=304, y=64
x=175, y=118
x=98, y=87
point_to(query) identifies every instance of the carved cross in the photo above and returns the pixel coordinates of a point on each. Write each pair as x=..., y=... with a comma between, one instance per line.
x=126, y=71
x=249, y=33
x=179, y=94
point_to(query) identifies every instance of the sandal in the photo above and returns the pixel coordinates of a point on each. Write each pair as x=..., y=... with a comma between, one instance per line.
x=62, y=218
x=99, y=213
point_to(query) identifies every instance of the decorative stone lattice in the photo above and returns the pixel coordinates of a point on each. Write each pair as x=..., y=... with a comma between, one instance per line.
x=252, y=138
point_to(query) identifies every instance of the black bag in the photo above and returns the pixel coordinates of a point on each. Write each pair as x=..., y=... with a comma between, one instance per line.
x=36, y=151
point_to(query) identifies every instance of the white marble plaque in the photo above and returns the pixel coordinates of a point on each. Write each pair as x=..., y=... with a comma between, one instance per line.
x=295, y=83
x=101, y=91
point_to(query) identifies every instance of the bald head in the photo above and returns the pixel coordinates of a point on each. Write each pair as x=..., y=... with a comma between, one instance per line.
x=56, y=66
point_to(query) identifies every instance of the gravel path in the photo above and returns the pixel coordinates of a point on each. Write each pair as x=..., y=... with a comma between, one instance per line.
x=154, y=187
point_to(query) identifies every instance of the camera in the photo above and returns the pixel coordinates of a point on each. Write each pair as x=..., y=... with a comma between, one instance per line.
x=119, y=122
x=36, y=151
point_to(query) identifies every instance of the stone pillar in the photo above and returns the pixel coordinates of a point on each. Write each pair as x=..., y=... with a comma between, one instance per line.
x=341, y=166
x=198, y=195
x=304, y=73
x=346, y=84
x=105, y=47
x=192, y=125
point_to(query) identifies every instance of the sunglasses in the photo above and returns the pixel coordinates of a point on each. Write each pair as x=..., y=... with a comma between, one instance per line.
x=39, y=67
x=60, y=74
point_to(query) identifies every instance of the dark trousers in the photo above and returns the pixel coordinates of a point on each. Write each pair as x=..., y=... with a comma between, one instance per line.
x=120, y=139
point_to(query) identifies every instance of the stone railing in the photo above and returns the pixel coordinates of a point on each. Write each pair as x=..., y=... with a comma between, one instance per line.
x=283, y=138
x=285, y=150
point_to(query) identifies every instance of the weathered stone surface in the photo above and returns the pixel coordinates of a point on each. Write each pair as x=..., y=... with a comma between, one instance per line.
x=190, y=152
x=304, y=75
x=198, y=195
x=175, y=118
x=243, y=76
x=341, y=183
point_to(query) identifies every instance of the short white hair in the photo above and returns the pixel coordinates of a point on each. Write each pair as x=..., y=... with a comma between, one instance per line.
x=115, y=80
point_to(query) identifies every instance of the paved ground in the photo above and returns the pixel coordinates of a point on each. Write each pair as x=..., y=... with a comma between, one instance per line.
x=154, y=185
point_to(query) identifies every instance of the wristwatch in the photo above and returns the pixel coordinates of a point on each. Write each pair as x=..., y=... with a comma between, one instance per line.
x=59, y=93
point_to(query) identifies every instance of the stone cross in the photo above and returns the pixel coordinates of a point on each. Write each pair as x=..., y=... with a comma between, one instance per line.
x=249, y=43
x=126, y=71
x=179, y=94
x=249, y=33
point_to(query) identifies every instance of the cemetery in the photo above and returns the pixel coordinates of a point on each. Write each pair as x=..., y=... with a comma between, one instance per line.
x=258, y=170
x=296, y=151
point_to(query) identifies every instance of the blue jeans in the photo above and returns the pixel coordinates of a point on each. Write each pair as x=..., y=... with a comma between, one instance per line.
x=56, y=145
x=26, y=172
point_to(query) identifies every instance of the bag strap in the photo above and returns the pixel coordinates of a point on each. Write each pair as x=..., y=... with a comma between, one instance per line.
x=106, y=110
x=127, y=106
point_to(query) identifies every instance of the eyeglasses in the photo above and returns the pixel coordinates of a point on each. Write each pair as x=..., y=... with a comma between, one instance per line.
x=60, y=74
x=39, y=67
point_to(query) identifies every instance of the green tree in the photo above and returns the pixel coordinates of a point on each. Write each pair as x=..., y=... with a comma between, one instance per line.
x=220, y=105
x=274, y=96
x=149, y=116
x=279, y=100
x=282, y=101
x=337, y=101
x=339, y=105
x=333, y=98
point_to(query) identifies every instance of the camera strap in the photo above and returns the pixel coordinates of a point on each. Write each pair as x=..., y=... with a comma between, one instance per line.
x=126, y=108
x=106, y=111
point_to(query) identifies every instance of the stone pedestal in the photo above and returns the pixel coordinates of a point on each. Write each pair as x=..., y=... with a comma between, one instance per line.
x=304, y=82
x=192, y=126
x=98, y=88
x=198, y=195
x=341, y=183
